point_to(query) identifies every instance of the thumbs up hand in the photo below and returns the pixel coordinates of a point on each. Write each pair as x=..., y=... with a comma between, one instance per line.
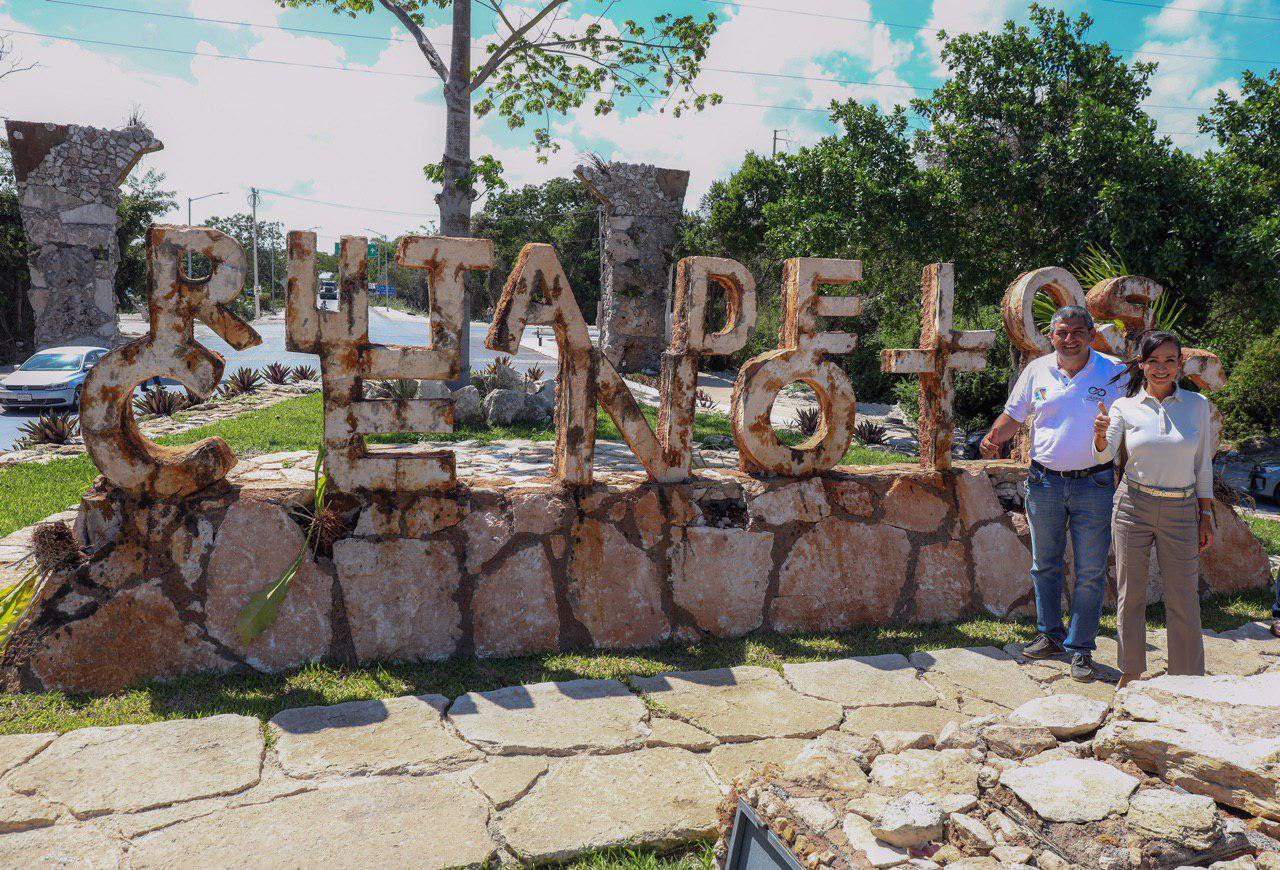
x=1101, y=422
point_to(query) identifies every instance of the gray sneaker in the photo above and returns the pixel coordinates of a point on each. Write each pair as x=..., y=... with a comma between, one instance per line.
x=1083, y=670
x=1043, y=647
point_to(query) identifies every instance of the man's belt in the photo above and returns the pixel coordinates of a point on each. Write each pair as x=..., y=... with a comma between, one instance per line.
x=1073, y=475
x=1160, y=491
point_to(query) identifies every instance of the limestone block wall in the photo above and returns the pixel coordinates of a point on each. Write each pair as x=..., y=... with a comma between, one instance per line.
x=502, y=568
x=643, y=206
x=68, y=189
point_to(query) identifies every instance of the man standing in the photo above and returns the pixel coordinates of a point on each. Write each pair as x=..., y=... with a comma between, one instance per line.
x=1066, y=491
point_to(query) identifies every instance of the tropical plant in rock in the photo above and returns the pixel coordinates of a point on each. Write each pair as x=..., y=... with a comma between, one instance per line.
x=534, y=373
x=870, y=432
x=261, y=611
x=498, y=364
x=277, y=373
x=807, y=421
x=304, y=373
x=53, y=549
x=160, y=402
x=394, y=389
x=55, y=427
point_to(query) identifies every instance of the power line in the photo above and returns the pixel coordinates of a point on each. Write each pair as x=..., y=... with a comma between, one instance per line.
x=1164, y=8
x=281, y=193
x=821, y=15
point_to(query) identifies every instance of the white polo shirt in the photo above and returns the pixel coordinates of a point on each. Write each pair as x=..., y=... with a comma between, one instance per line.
x=1063, y=408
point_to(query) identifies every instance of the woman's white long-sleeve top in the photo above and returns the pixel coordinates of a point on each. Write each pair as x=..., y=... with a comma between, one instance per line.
x=1170, y=442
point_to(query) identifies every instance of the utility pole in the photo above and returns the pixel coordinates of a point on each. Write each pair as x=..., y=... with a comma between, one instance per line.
x=777, y=139
x=273, y=270
x=191, y=199
x=253, y=232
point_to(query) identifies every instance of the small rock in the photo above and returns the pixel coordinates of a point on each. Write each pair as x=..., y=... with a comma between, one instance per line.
x=1048, y=860
x=1267, y=861
x=948, y=855
x=910, y=821
x=879, y=853
x=1096, y=790
x=927, y=771
x=814, y=813
x=896, y=741
x=969, y=834
x=1018, y=741
x=504, y=407
x=468, y=406
x=833, y=759
x=957, y=803
x=1064, y=715
x=432, y=390
x=1244, y=862
x=1003, y=827
x=1187, y=819
x=955, y=736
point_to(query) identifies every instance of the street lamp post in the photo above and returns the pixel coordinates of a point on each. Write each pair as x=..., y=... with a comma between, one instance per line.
x=382, y=263
x=191, y=199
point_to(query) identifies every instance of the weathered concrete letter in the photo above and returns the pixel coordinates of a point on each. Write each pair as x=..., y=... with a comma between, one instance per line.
x=169, y=351
x=943, y=351
x=801, y=356
x=348, y=358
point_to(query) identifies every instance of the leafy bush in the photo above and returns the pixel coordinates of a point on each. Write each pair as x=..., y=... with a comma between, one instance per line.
x=56, y=427
x=1251, y=401
x=160, y=402
x=277, y=373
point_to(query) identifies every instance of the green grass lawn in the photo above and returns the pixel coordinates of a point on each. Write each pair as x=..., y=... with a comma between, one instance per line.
x=325, y=683
x=31, y=492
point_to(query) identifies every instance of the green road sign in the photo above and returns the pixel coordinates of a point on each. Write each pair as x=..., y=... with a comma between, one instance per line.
x=373, y=250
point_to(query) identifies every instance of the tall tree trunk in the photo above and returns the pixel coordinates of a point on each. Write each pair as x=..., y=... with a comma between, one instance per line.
x=454, y=199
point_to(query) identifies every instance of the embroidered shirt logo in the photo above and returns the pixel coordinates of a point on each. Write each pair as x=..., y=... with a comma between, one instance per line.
x=1098, y=392
x=1039, y=394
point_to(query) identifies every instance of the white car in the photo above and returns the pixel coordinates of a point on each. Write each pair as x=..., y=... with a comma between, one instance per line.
x=51, y=378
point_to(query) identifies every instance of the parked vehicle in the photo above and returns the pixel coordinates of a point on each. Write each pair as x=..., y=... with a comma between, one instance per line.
x=51, y=378
x=1264, y=478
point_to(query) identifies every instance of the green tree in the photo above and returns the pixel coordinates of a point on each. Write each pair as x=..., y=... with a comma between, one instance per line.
x=16, y=323
x=538, y=68
x=140, y=204
x=559, y=212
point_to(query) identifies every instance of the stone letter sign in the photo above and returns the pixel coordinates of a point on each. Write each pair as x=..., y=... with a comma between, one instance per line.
x=348, y=359
x=169, y=350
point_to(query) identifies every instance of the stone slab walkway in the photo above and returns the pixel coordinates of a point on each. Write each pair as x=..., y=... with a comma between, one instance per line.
x=526, y=773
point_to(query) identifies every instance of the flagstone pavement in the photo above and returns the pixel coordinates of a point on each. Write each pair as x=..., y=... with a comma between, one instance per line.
x=526, y=773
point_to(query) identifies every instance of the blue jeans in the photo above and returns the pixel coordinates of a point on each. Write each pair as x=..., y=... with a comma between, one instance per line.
x=1081, y=506
x=1275, y=608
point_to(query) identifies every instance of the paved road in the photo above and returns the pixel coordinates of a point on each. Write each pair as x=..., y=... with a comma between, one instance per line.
x=389, y=328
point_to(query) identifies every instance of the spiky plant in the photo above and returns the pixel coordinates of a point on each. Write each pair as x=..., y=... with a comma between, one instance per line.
x=1096, y=266
x=393, y=389
x=304, y=373
x=159, y=403
x=534, y=373
x=807, y=421
x=53, y=550
x=245, y=379
x=704, y=400
x=870, y=432
x=55, y=427
x=499, y=363
x=277, y=373
x=194, y=399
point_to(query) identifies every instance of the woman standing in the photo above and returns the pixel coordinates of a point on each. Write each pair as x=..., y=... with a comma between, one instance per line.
x=1164, y=501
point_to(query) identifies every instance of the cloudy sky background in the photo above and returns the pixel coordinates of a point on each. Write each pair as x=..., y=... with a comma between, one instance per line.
x=343, y=149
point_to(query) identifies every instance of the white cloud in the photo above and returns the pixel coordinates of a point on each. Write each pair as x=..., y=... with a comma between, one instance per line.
x=965, y=16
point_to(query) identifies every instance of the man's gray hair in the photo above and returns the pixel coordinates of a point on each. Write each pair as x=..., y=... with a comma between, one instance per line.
x=1071, y=312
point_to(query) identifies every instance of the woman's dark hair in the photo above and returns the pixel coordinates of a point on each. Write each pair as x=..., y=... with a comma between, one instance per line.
x=1151, y=339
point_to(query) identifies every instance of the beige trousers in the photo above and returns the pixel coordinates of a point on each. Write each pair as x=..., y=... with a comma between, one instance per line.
x=1140, y=522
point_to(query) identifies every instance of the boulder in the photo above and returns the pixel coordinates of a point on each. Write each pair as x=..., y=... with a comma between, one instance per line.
x=1190, y=820
x=910, y=821
x=1071, y=790
x=509, y=378
x=432, y=390
x=1065, y=715
x=503, y=407
x=1215, y=736
x=468, y=406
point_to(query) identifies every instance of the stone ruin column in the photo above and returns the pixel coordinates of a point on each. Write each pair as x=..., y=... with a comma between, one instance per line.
x=643, y=207
x=68, y=190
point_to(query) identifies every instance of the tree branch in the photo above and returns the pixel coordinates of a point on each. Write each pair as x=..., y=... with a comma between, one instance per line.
x=428, y=50
x=500, y=54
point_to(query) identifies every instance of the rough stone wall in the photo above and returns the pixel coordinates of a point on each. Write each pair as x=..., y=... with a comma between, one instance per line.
x=643, y=207
x=502, y=568
x=68, y=190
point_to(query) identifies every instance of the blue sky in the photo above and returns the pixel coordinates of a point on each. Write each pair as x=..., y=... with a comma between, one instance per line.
x=353, y=139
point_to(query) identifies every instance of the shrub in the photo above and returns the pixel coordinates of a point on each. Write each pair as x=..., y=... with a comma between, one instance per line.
x=277, y=373
x=870, y=432
x=1250, y=402
x=304, y=373
x=160, y=402
x=807, y=421
x=56, y=427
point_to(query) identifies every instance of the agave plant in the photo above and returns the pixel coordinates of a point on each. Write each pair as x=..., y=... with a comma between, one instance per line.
x=870, y=432
x=534, y=373
x=304, y=373
x=194, y=399
x=242, y=380
x=56, y=427
x=160, y=402
x=499, y=363
x=704, y=400
x=394, y=389
x=807, y=421
x=277, y=373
